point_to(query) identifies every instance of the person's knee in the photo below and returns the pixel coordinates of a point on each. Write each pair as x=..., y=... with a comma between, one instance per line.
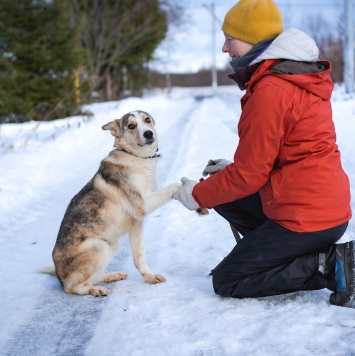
x=216, y=284
x=220, y=285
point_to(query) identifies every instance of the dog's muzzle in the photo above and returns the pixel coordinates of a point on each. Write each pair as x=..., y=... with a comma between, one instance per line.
x=149, y=136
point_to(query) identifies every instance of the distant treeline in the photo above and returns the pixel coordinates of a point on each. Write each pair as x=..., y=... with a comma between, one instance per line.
x=201, y=78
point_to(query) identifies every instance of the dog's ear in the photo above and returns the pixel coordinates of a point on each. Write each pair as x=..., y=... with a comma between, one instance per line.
x=113, y=126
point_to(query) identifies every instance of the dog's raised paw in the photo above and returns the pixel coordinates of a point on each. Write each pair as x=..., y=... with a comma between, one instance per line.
x=174, y=187
x=154, y=278
x=99, y=291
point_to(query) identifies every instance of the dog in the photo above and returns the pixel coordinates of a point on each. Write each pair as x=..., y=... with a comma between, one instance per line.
x=114, y=202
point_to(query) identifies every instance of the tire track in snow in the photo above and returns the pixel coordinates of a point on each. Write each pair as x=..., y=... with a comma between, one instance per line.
x=199, y=141
x=174, y=142
x=60, y=325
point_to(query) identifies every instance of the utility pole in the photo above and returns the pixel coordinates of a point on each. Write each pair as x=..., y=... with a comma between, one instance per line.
x=349, y=51
x=214, y=69
x=213, y=65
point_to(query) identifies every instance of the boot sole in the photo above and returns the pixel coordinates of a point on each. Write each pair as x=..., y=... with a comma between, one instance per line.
x=351, y=254
x=347, y=299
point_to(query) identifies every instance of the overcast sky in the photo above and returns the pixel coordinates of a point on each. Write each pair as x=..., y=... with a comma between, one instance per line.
x=190, y=48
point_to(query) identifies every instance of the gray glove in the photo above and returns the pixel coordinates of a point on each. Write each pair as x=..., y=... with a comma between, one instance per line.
x=184, y=194
x=215, y=165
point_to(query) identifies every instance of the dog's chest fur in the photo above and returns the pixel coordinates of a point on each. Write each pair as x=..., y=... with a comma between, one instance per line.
x=129, y=171
x=126, y=180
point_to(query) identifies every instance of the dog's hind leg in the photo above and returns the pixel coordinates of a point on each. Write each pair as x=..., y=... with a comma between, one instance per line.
x=139, y=254
x=86, y=269
x=114, y=276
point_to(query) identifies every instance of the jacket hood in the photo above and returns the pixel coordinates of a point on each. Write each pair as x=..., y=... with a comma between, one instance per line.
x=317, y=83
x=292, y=56
x=291, y=44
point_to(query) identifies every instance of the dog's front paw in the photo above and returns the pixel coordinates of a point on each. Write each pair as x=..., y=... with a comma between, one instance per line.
x=98, y=291
x=173, y=188
x=154, y=278
x=114, y=277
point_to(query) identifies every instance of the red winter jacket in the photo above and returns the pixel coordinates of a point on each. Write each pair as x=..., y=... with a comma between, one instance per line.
x=286, y=152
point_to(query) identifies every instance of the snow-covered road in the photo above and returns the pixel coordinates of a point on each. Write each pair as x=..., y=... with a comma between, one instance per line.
x=182, y=316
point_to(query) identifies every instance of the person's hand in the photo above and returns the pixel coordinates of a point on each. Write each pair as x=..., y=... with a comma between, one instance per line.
x=184, y=194
x=215, y=165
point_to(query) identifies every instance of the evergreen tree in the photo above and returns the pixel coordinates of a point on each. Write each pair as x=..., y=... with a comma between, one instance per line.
x=37, y=59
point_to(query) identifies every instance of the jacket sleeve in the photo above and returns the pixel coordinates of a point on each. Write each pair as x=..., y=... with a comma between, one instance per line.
x=261, y=128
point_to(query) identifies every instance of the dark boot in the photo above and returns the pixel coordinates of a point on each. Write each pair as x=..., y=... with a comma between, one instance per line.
x=344, y=276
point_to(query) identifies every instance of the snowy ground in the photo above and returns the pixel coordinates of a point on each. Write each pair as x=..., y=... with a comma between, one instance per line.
x=42, y=167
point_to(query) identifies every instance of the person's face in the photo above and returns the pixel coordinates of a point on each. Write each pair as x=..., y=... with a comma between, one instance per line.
x=235, y=48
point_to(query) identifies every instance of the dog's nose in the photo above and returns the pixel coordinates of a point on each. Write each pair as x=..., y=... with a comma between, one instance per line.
x=148, y=134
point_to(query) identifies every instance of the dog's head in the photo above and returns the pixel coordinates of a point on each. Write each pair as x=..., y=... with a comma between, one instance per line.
x=134, y=133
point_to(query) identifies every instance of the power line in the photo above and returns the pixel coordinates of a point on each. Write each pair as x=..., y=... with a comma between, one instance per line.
x=215, y=19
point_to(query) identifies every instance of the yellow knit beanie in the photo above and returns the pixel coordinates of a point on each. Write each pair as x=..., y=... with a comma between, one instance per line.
x=253, y=21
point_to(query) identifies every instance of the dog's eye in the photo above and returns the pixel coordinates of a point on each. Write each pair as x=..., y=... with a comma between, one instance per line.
x=131, y=126
x=147, y=120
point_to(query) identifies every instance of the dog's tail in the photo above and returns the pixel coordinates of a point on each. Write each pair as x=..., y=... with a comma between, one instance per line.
x=47, y=270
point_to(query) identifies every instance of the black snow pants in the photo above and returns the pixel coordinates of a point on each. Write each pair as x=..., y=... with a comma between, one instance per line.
x=270, y=259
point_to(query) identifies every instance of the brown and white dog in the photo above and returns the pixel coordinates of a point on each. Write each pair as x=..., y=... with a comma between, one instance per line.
x=114, y=202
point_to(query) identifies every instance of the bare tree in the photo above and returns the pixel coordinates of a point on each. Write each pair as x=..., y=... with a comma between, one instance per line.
x=111, y=29
x=174, y=10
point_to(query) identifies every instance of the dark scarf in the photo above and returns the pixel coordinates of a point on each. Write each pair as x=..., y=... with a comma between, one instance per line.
x=242, y=70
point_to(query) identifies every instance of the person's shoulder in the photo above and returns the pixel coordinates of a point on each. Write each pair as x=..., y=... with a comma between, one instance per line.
x=271, y=85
